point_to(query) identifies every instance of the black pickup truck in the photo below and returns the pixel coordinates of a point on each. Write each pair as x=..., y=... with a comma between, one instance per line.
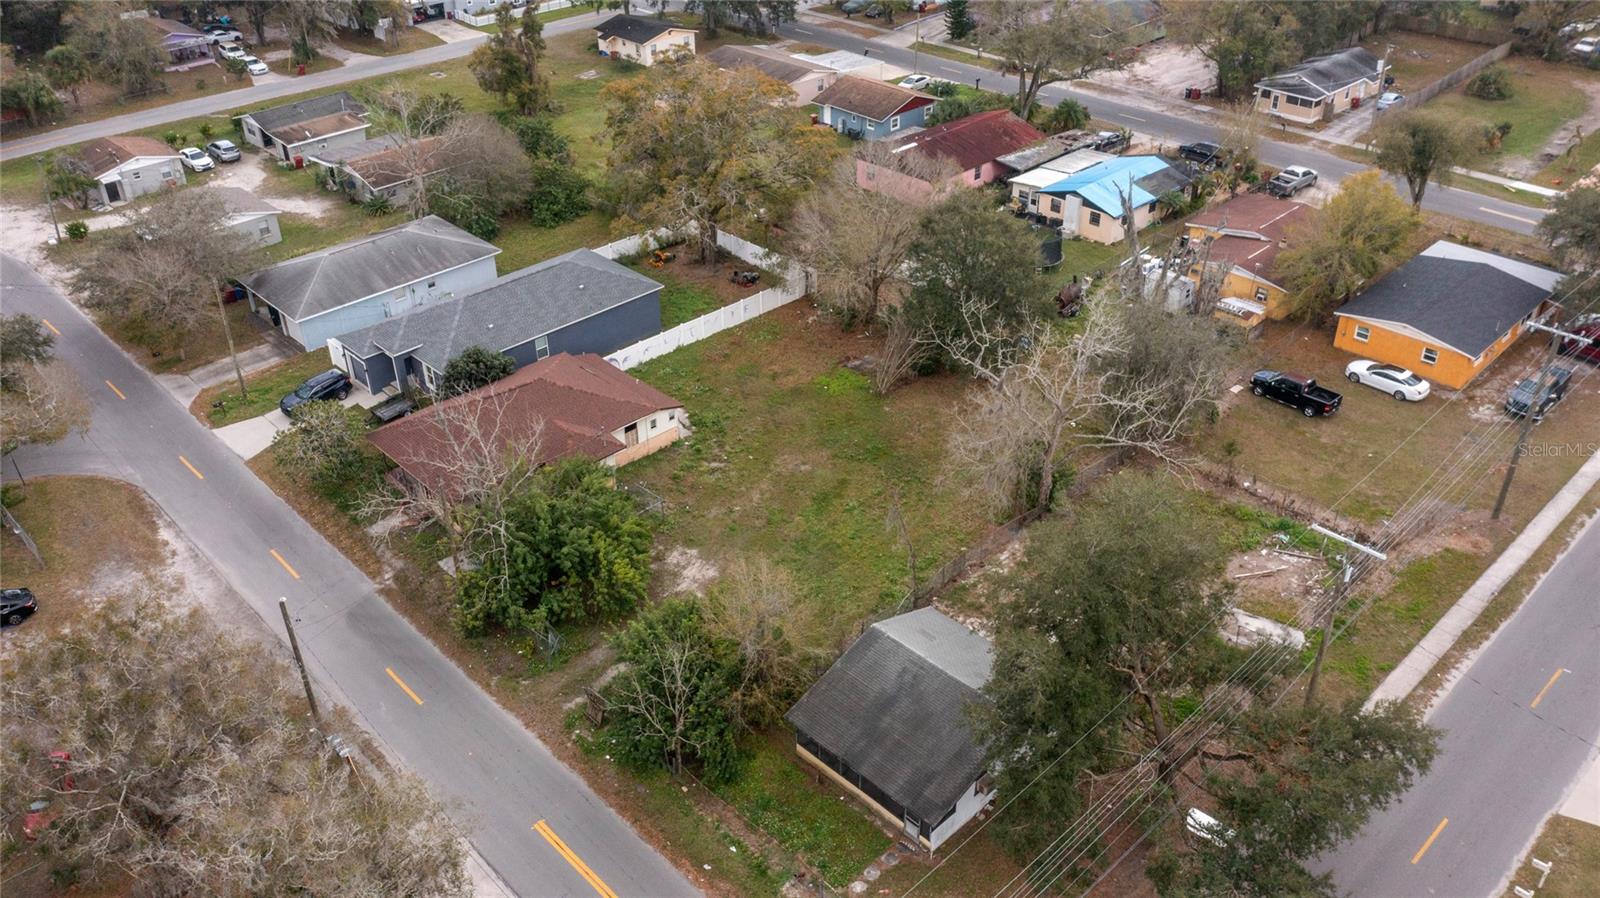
x=1296, y=391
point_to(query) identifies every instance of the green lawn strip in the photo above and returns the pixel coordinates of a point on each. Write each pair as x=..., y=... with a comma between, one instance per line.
x=1566, y=169
x=287, y=66
x=1573, y=848
x=1498, y=191
x=220, y=405
x=1539, y=104
x=775, y=795
x=410, y=40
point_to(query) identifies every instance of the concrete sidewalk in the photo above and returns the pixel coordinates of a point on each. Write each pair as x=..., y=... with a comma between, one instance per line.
x=251, y=437
x=1416, y=665
x=185, y=387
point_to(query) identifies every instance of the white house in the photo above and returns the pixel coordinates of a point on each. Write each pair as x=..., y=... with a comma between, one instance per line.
x=128, y=167
x=645, y=41
x=363, y=281
x=249, y=215
x=305, y=127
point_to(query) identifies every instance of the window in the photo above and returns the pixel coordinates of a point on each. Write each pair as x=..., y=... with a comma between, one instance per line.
x=433, y=283
x=1055, y=204
x=1363, y=333
x=541, y=347
x=136, y=175
x=672, y=416
x=1094, y=219
x=894, y=123
x=1261, y=294
x=977, y=173
x=265, y=230
x=1430, y=356
x=1265, y=93
x=1152, y=209
x=653, y=423
x=429, y=378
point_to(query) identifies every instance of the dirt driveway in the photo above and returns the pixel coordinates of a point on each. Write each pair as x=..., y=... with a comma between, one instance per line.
x=1164, y=70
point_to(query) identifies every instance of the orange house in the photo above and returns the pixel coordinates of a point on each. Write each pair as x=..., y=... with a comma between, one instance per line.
x=1244, y=236
x=1446, y=314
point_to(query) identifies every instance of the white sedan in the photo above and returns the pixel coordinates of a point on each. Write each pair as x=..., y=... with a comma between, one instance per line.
x=231, y=51
x=255, y=66
x=1391, y=379
x=194, y=160
x=915, y=82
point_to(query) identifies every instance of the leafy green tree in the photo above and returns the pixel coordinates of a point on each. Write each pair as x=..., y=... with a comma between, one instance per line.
x=64, y=179
x=322, y=446
x=958, y=20
x=1250, y=39
x=1344, y=245
x=758, y=17
x=23, y=343
x=36, y=26
x=1300, y=781
x=67, y=70
x=973, y=266
x=31, y=93
x=1421, y=146
x=475, y=367
x=540, y=139
x=962, y=105
x=119, y=51
x=758, y=607
x=1114, y=605
x=507, y=64
x=672, y=705
x=557, y=193
x=1067, y=115
x=1572, y=227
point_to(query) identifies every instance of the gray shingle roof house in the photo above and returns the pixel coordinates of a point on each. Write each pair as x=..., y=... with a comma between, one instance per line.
x=806, y=79
x=306, y=126
x=251, y=216
x=643, y=40
x=888, y=722
x=1322, y=86
x=579, y=302
x=363, y=281
x=1446, y=314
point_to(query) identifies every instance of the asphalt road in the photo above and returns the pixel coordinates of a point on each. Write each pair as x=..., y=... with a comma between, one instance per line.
x=248, y=97
x=498, y=778
x=1179, y=126
x=1519, y=728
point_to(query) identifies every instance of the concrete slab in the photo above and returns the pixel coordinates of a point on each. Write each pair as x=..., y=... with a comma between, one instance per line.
x=250, y=438
x=1584, y=802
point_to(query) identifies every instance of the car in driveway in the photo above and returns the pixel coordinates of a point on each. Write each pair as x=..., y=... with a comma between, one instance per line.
x=1390, y=98
x=220, y=33
x=1589, y=46
x=16, y=605
x=255, y=66
x=1398, y=382
x=1522, y=400
x=915, y=82
x=330, y=384
x=1291, y=181
x=1296, y=391
x=1203, y=153
x=232, y=51
x=223, y=150
x=194, y=160
x=1110, y=141
x=1585, y=344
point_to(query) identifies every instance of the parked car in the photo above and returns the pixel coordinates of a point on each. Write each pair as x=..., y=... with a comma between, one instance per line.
x=874, y=11
x=330, y=384
x=1291, y=181
x=1204, y=152
x=1390, y=98
x=223, y=151
x=16, y=605
x=220, y=33
x=194, y=160
x=1296, y=392
x=1522, y=395
x=1110, y=141
x=1391, y=379
x=1586, y=47
x=232, y=51
x=915, y=82
x=255, y=66
x=1587, y=348
x=855, y=6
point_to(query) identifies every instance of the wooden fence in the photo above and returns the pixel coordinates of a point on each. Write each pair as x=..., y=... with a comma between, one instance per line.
x=1452, y=30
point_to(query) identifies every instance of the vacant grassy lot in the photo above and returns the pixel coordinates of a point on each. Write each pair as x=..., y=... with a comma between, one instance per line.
x=1421, y=59
x=408, y=41
x=221, y=405
x=1544, y=97
x=1573, y=846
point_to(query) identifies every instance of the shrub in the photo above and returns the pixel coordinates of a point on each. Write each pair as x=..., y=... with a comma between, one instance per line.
x=173, y=139
x=1493, y=83
x=376, y=205
x=475, y=367
x=558, y=195
x=539, y=138
x=206, y=131
x=940, y=88
x=471, y=213
x=199, y=84
x=1067, y=115
x=77, y=230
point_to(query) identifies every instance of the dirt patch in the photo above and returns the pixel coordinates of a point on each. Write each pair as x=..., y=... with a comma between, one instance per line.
x=688, y=571
x=1278, y=583
x=250, y=174
x=1163, y=69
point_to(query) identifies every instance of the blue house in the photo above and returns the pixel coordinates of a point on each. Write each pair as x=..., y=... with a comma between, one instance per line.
x=1089, y=203
x=872, y=110
x=576, y=303
x=384, y=275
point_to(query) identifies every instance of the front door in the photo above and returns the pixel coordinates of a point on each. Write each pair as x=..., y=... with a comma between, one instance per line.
x=113, y=192
x=630, y=434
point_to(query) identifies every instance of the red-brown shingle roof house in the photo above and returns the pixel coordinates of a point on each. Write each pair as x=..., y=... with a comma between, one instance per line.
x=562, y=406
x=969, y=145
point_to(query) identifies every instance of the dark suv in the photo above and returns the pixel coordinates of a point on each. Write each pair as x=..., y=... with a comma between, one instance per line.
x=330, y=384
x=1521, y=398
x=1204, y=153
x=16, y=605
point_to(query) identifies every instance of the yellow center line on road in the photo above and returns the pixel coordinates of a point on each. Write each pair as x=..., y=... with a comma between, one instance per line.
x=1429, y=844
x=192, y=469
x=51, y=326
x=1548, y=683
x=1507, y=215
x=115, y=390
x=402, y=684
x=292, y=572
x=577, y=863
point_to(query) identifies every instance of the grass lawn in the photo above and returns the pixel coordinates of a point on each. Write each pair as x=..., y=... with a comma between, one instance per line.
x=1419, y=60
x=409, y=40
x=203, y=345
x=1566, y=169
x=1543, y=99
x=322, y=63
x=220, y=405
x=96, y=535
x=1573, y=846
x=98, y=101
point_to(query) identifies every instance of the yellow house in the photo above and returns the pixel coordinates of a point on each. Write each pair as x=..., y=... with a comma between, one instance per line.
x=1245, y=235
x=1446, y=314
x=1322, y=86
x=645, y=41
x=1089, y=203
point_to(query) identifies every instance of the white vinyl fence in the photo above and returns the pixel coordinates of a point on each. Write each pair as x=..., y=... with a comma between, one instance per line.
x=487, y=16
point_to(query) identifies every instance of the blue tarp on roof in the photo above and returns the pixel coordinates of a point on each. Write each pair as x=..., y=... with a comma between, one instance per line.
x=1103, y=185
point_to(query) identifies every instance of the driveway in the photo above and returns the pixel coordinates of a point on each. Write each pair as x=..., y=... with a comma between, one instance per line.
x=498, y=778
x=251, y=437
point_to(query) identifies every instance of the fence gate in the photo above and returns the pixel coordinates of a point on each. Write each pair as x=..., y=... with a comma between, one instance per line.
x=595, y=708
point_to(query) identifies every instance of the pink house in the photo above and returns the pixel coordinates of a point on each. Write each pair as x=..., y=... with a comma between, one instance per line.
x=970, y=144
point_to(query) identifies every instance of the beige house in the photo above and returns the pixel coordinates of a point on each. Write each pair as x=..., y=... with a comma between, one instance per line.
x=644, y=41
x=1322, y=86
x=1091, y=201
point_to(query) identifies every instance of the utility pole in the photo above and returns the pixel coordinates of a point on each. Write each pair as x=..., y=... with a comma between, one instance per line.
x=294, y=645
x=49, y=201
x=1345, y=576
x=1544, y=381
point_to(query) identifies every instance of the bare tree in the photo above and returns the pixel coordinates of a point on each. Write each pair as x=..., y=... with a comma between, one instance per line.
x=757, y=605
x=1047, y=39
x=857, y=233
x=440, y=152
x=900, y=355
x=188, y=765
x=41, y=404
